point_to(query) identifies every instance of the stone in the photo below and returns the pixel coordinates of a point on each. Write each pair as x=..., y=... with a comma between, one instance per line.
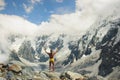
x=71, y=76
x=15, y=68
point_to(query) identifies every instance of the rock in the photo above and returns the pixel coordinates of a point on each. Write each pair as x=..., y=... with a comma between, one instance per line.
x=72, y=76
x=62, y=77
x=2, y=67
x=115, y=75
x=54, y=78
x=96, y=78
x=37, y=78
x=10, y=75
x=52, y=75
x=93, y=78
x=1, y=78
x=15, y=68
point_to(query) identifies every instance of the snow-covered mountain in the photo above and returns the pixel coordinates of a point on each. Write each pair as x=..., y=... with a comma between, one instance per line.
x=98, y=48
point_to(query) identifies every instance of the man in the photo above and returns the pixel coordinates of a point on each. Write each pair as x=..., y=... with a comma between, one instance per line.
x=51, y=56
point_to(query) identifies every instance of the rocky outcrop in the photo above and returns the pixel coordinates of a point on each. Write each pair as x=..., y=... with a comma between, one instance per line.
x=52, y=75
x=9, y=71
x=42, y=75
x=115, y=75
x=72, y=76
x=110, y=54
x=14, y=68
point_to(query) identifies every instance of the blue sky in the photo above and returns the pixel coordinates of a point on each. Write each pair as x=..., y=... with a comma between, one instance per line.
x=37, y=11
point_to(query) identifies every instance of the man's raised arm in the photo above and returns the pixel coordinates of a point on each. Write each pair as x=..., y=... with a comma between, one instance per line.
x=56, y=51
x=46, y=51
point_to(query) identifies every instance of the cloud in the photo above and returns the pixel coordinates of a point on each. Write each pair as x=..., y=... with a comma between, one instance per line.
x=30, y=6
x=28, y=9
x=35, y=1
x=87, y=12
x=4, y=58
x=13, y=25
x=2, y=5
x=95, y=6
x=16, y=24
x=59, y=1
x=72, y=23
x=63, y=10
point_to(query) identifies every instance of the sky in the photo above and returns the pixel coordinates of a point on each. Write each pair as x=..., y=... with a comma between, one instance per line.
x=36, y=11
x=28, y=16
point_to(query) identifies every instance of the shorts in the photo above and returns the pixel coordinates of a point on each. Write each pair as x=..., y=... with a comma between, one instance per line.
x=51, y=59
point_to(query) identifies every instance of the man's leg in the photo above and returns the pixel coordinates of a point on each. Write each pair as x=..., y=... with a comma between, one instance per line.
x=49, y=65
x=53, y=66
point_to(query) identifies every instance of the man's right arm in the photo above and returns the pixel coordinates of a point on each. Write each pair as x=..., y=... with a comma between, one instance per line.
x=46, y=51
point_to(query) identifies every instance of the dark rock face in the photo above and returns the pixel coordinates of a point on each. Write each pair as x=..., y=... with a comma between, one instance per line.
x=43, y=58
x=74, y=47
x=110, y=46
x=110, y=34
x=110, y=54
x=14, y=56
x=26, y=51
x=57, y=44
x=40, y=42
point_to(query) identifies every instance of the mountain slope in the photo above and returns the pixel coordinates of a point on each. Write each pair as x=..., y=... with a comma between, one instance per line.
x=98, y=46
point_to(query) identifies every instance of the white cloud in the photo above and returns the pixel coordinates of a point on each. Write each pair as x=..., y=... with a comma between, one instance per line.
x=63, y=10
x=11, y=24
x=16, y=24
x=4, y=58
x=59, y=1
x=2, y=5
x=69, y=23
x=87, y=12
x=95, y=6
x=29, y=7
x=35, y=1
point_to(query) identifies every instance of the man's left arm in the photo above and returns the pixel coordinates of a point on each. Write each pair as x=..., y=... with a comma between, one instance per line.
x=56, y=51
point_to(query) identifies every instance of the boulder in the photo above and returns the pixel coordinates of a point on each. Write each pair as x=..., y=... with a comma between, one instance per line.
x=1, y=78
x=10, y=76
x=115, y=75
x=52, y=75
x=15, y=68
x=71, y=76
x=2, y=67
